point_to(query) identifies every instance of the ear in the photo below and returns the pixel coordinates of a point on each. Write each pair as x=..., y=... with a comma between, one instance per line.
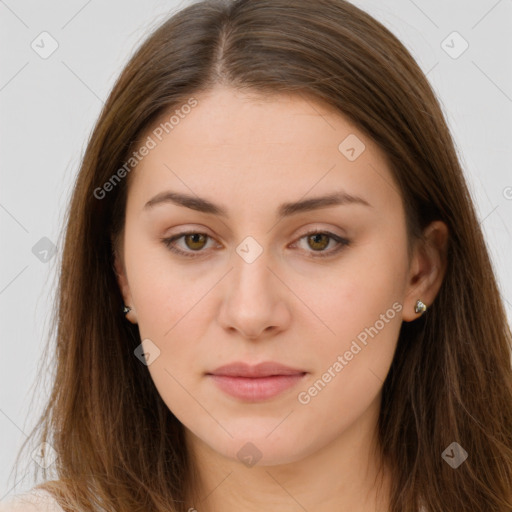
x=122, y=281
x=427, y=268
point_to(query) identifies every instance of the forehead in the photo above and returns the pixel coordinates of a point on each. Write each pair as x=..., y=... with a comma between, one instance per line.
x=244, y=146
x=224, y=116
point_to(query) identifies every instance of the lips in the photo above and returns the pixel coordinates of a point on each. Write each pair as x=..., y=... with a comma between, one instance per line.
x=266, y=369
x=255, y=382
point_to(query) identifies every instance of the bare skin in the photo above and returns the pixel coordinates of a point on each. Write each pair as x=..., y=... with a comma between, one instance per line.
x=315, y=450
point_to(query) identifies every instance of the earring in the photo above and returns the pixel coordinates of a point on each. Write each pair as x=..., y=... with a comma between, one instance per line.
x=126, y=310
x=420, y=307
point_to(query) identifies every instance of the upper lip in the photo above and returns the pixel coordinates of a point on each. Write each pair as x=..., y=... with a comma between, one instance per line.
x=266, y=369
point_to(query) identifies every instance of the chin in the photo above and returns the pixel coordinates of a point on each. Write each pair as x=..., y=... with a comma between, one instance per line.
x=256, y=447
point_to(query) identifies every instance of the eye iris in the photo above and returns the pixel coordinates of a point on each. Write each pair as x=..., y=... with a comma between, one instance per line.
x=194, y=237
x=315, y=240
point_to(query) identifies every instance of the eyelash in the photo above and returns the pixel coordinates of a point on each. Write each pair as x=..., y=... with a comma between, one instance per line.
x=343, y=242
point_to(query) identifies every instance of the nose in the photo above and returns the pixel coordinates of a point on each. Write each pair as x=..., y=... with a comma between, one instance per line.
x=254, y=300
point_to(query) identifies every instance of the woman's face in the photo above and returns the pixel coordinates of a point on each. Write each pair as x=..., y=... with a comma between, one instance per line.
x=255, y=284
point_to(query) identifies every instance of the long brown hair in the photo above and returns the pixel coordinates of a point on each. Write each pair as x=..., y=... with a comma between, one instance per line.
x=119, y=447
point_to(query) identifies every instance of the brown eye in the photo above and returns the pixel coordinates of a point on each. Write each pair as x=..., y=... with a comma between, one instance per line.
x=195, y=241
x=319, y=241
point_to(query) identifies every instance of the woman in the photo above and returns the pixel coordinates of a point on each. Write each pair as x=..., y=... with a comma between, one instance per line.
x=272, y=198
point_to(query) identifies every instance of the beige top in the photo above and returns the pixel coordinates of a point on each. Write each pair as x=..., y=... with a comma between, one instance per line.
x=35, y=500
x=39, y=500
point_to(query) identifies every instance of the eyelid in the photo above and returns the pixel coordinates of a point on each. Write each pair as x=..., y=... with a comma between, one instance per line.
x=168, y=242
x=339, y=239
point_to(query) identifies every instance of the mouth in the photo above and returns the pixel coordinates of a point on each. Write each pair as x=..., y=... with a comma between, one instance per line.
x=255, y=383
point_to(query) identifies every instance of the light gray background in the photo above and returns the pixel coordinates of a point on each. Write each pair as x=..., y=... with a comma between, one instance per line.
x=48, y=108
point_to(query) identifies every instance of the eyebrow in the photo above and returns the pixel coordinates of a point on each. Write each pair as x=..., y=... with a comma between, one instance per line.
x=285, y=210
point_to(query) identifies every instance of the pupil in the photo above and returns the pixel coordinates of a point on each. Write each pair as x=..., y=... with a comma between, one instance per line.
x=194, y=238
x=316, y=236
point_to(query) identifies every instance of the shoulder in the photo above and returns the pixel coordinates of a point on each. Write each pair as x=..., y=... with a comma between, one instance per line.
x=35, y=500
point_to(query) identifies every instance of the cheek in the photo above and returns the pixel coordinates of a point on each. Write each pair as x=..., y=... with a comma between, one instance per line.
x=162, y=293
x=360, y=305
x=355, y=293
x=351, y=366
x=170, y=305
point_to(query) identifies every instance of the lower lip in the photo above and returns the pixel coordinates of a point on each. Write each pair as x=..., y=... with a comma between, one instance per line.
x=256, y=389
